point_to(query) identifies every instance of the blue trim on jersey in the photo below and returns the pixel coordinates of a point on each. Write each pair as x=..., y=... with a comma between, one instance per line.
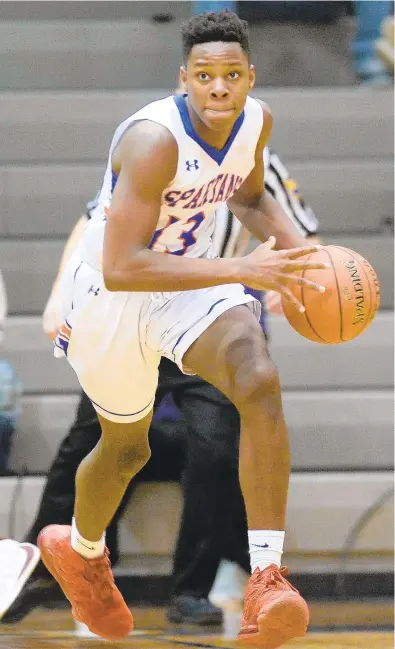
x=208, y=313
x=117, y=413
x=215, y=304
x=114, y=179
x=62, y=344
x=215, y=154
x=75, y=275
x=178, y=341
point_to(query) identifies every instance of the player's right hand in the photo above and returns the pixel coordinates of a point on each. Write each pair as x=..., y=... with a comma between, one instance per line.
x=52, y=316
x=266, y=269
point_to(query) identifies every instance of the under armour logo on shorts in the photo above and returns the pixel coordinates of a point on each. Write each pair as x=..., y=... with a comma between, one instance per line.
x=94, y=290
x=192, y=164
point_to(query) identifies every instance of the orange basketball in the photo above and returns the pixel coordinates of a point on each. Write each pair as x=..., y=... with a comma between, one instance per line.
x=348, y=305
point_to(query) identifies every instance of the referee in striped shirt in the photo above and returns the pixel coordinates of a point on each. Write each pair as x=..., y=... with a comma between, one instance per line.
x=199, y=448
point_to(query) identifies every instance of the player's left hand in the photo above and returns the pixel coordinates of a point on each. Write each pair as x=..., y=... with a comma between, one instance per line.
x=273, y=300
x=273, y=303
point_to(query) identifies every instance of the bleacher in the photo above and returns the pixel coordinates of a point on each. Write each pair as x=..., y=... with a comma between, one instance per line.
x=64, y=87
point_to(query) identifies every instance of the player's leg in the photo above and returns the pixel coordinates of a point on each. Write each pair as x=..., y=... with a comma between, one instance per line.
x=102, y=340
x=57, y=506
x=232, y=355
x=104, y=474
x=77, y=556
x=165, y=439
x=57, y=500
x=240, y=366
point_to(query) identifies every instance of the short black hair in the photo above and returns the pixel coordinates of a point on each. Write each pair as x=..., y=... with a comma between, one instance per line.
x=223, y=26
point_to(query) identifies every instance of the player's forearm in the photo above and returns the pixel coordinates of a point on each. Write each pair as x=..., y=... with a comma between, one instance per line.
x=149, y=271
x=266, y=219
x=71, y=245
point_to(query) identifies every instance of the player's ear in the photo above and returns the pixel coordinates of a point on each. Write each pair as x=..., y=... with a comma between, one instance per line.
x=182, y=79
x=251, y=75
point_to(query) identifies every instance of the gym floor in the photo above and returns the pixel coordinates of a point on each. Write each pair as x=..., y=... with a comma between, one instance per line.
x=349, y=625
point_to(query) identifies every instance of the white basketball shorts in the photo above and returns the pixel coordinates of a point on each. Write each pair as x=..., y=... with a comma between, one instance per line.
x=114, y=340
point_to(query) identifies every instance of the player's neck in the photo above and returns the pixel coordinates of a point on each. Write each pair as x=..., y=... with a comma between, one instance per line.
x=216, y=139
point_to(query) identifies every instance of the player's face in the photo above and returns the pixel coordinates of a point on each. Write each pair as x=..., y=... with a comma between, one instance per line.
x=218, y=77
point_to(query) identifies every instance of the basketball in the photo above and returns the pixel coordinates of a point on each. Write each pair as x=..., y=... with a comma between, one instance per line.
x=348, y=305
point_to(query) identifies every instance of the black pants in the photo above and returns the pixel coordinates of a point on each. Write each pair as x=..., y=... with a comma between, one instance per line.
x=201, y=451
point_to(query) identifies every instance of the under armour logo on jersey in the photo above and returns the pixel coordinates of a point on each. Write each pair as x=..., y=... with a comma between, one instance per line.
x=94, y=290
x=192, y=164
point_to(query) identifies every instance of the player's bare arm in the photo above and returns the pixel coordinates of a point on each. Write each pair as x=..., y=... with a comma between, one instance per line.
x=147, y=163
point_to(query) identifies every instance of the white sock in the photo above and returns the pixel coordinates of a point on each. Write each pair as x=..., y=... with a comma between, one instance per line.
x=87, y=549
x=266, y=547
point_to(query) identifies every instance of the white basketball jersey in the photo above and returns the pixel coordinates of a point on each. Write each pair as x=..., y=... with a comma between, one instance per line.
x=205, y=178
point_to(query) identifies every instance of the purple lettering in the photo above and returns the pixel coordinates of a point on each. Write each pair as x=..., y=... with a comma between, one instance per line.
x=230, y=188
x=204, y=199
x=192, y=205
x=187, y=194
x=171, y=198
x=216, y=181
x=221, y=191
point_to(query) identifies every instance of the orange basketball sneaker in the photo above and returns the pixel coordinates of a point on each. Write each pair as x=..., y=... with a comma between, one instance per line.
x=87, y=583
x=274, y=611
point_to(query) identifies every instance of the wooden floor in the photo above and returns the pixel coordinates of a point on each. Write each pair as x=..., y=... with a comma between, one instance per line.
x=55, y=630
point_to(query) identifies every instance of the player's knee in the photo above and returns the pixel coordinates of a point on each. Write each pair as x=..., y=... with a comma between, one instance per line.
x=125, y=446
x=127, y=458
x=131, y=459
x=256, y=383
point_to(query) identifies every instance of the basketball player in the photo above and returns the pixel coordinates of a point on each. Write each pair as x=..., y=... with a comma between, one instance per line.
x=208, y=480
x=127, y=304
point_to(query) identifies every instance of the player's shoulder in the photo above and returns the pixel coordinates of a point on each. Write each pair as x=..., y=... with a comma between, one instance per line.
x=146, y=134
x=267, y=113
x=150, y=145
x=149, y=149
x=148, y=130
